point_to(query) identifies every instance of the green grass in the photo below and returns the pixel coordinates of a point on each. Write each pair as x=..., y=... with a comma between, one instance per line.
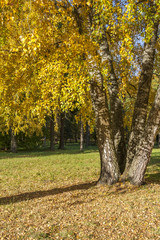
x=153, y=170
x=52, y=195
x=34, y=170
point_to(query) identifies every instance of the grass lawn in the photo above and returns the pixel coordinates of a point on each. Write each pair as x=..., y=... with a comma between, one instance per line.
x=52, y=195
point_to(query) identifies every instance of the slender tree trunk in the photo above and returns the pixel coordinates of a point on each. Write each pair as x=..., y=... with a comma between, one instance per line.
x=87, y=138
x=62, y=122
x=144, y=149
x=52, y=133
x=141, y=104
x=44, y=141
x=159, y=140
x=13, y=147
x=75, y=137
x=116, y=109
x=44, y=135
x=109, y=165
x=81, y=136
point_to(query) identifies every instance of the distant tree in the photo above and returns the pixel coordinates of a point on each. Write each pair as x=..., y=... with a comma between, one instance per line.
x=61, y=129
x=52, y=133
x=87, y=135
x=4, y=141
x=13, y=147
x=81, y=136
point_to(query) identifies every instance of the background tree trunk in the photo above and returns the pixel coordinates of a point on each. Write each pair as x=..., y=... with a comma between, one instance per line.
x=13, y=147
x=81, y=136
x=45, y=134
x=62, y=122
x=52, y=133
x=87, y=137
x=159, y=140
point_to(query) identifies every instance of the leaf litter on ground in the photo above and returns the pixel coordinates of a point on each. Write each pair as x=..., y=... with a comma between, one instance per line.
x=72, y=206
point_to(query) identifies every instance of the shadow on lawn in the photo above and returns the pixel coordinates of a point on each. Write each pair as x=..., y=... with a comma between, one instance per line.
x=31, y=195
x=153, y=177
x=33, y=154
x=155, y=160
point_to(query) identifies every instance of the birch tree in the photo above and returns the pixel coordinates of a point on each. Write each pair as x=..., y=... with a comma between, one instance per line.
x=100, y=56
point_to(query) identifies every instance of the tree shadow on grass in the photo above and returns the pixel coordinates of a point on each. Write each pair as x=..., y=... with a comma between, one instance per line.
x=33, y=154
x=155, y=160
x=153, y=177
x=153, y=173
x=38, y=194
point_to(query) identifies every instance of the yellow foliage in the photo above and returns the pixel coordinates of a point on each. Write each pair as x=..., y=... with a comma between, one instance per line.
x=44, y=57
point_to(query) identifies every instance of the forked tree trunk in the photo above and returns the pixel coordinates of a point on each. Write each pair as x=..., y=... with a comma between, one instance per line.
x=109, y=166
x=143, y=153
x=109, y=124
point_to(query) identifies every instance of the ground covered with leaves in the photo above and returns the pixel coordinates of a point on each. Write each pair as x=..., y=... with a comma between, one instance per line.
x=54, y=196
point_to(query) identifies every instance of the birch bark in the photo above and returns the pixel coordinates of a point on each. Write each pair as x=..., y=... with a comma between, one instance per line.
x=141, y=104
x=144, y=149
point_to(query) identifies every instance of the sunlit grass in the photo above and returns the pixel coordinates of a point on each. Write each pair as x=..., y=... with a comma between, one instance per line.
x=36, y=169
x=153, y=170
